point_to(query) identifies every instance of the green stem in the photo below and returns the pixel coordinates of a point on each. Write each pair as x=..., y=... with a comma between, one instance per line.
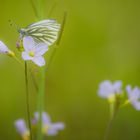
x=125, y=103
x=19, y=61
x=41, y=91
x=114, y=108
x=58, y=40
x=40, y=105
x=52, y=9
x=109, y=125
x=40, y=9
x=62, y=28
x=27, y=101
x=108, y=128
x=34, y=79
x=37, y=6
x=34, y=7
x=34, y=82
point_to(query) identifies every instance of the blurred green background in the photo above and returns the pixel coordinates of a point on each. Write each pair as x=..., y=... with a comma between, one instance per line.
x=101, y=41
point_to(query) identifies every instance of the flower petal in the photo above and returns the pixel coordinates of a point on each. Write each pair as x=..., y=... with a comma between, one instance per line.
x=3, y=48
x=117, y=87
x=134, y=96
x=46, y=120
x=41, y=48
x=129, y=90
x=58, y=126
x=28, y=43
x=40, y=61
x=21, y=126
x=105, y=89
x=136, y=105
x=51, y=132
x=26, y=56
x=54, y=128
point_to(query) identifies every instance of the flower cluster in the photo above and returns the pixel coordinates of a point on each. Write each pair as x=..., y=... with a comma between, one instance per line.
x=110, y=91
x=48, y=128
x=34, y=41
x=30, y=50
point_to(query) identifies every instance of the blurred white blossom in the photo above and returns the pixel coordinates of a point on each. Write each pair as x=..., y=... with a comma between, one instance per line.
x=134, y=96
x=49, y=128
x=107, y=89
x=22, y=129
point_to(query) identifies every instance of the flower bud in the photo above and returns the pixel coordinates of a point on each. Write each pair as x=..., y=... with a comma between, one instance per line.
x=19, y=45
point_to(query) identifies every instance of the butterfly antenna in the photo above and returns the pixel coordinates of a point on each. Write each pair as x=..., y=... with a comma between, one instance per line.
x=14, y=24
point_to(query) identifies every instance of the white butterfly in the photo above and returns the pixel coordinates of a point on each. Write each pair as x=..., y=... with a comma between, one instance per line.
x=45, y=31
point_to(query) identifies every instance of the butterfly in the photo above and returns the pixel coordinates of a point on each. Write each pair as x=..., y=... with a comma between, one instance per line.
x=44, y=31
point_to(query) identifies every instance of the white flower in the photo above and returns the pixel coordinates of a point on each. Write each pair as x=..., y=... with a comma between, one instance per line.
x=134, y=96
x=5, y=50
x=21, y=128
x=49, y=128
x=108, y=89
x=34, y=51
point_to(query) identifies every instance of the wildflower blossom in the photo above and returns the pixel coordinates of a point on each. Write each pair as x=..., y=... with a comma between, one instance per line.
x=134, y=96
x=5, y=50
x=109, y=90
x=49, y=128
x=22, y=129
x=33, y=51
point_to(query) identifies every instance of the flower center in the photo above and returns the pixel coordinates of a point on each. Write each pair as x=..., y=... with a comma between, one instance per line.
x=31, y=53
x=111, y=98
x=45, y=129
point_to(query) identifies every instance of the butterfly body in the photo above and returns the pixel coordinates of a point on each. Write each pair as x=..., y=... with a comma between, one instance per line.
x=23, y=32
x=45, y=31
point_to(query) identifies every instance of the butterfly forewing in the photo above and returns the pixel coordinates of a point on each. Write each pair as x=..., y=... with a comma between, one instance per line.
x=44, y=31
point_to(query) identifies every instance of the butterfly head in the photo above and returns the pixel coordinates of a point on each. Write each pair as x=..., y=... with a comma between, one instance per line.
x=23, y=32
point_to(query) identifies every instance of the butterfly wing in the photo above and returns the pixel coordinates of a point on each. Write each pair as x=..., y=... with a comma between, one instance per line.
x=44, y=31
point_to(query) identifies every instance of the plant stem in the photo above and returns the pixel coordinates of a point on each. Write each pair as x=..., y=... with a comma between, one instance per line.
x=58, y=40
x=27, y=101
x=32, y=73
x=34, y=7
x=41, y=93
x=40, y=9
x=113, y=112
x=52, y=9
x=40, y=105
x=62, y=28
x=38, y=6
x=108, y=129
x=39, y=12
x=34, y=82
x=18, y=61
